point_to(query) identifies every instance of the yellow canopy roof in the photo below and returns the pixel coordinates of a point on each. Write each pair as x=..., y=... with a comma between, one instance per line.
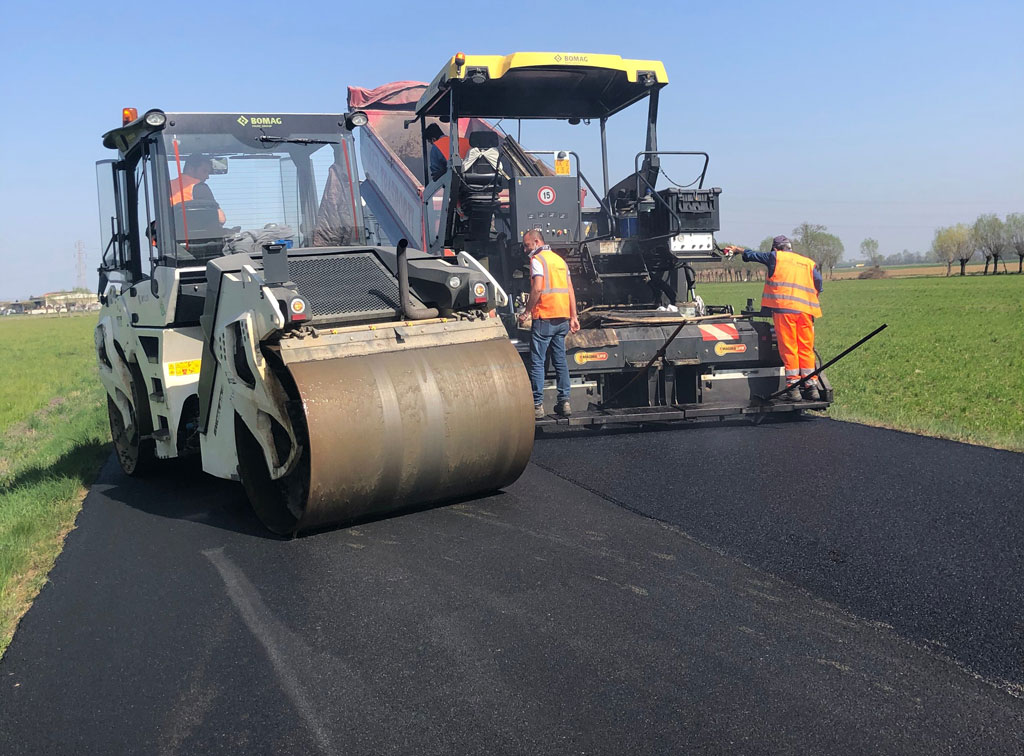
x=541, y=85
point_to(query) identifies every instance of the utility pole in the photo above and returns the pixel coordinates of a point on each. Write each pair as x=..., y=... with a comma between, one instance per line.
x=80, y=270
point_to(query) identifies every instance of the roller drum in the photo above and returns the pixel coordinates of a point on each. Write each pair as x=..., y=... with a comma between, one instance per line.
x=398, y=429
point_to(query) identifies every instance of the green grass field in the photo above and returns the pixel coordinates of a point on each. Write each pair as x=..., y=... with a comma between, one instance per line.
x=53, y=438
x=950, y=364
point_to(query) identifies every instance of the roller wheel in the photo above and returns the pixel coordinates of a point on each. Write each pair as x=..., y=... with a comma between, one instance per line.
x=135, y=455
x=278, y=503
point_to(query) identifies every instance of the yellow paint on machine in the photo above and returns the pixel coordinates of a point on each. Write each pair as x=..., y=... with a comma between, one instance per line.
x=721, y=348
x=184, y=367
x=582, y=358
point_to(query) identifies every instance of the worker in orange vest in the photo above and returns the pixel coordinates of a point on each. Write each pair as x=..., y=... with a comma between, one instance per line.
x=552, y=305
x=791, y=295
x=440, y=145
x=191, y=185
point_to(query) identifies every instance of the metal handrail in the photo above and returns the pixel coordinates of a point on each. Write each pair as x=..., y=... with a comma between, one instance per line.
x=657, y=197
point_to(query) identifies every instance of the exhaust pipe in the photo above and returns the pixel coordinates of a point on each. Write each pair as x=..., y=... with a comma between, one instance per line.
x=409, y=310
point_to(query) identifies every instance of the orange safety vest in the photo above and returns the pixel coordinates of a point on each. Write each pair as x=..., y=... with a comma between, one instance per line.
x=554, y=297
x=791, y=286
x=181, y=191
x=444, y=144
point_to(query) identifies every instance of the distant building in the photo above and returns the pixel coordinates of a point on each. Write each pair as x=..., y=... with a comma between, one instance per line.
x=51, y=303
x=64, y=301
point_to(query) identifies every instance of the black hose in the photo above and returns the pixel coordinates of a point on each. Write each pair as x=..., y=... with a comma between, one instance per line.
x=410, y=311
x=661, y=286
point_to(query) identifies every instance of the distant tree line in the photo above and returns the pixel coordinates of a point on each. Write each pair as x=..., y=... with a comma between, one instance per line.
x=989, y=237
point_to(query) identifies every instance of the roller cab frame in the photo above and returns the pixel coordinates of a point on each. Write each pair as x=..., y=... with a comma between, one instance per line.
x=246, y=319
x=650, y=348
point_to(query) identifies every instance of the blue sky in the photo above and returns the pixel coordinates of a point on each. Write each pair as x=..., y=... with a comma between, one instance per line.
x=874, y=119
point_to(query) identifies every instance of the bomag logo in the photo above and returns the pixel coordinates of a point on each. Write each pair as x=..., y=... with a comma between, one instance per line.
x=258, y=122
x=582, y=358
x=722, y=349
x=567, y=58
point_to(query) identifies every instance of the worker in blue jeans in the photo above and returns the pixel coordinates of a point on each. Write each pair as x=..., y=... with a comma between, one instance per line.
x=552, y=305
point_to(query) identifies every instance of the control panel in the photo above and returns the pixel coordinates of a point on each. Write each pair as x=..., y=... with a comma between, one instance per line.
x=550, y=203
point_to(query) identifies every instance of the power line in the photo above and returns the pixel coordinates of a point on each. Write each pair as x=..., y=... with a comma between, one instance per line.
x=81, y=281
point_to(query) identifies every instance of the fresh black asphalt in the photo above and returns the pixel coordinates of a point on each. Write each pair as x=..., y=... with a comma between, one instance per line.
x=921, y=533
x=810, y=587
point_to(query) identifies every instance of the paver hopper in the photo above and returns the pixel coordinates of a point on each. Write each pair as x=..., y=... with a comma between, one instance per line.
x=244, y=318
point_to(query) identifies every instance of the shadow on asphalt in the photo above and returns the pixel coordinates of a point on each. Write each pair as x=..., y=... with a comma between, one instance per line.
x=179, y=489
x=768, y=421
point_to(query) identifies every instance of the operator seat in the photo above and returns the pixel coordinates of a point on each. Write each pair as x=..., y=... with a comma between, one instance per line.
x=484, y=176
x=206, y=232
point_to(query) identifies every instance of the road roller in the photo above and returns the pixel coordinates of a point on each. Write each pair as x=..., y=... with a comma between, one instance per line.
x=247, y=318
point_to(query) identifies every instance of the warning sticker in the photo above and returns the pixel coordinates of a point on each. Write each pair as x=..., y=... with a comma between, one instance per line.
x=582, y=358
x=546, y=195
x=185, y=367
x=719, y=332
x=721, y=348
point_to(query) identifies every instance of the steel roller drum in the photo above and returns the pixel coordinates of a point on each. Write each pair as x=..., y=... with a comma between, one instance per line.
x=398, y=429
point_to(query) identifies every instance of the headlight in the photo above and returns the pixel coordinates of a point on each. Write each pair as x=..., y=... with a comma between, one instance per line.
x=455, y=282
x=479, y=289
x=356, y=119
x=156, y=118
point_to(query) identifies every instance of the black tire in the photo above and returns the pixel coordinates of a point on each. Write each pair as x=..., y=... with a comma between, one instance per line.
x=278, y=504
x=136, y=456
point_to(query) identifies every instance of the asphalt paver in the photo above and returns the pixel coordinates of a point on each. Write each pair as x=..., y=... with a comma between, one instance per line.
x=604, y=603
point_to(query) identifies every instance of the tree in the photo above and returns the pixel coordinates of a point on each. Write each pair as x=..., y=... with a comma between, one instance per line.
x=804, y=239
x=831, y=251
x=813, y=240
x=954, y=243
x=991, y=238
x=1015, y=234
x=766, y=244
x=869, y=248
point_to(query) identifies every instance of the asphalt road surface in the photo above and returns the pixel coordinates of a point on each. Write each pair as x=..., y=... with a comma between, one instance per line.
x=809, y=587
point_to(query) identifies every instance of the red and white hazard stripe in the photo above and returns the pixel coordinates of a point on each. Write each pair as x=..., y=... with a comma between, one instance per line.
x=719, y=332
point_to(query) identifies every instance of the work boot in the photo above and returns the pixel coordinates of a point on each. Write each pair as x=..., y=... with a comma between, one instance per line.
x=563, y=408
x=792, y=395
x=811, y=393
x=538, y=411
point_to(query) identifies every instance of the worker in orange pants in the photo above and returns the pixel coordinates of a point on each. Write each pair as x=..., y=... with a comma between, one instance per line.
x=791, y=292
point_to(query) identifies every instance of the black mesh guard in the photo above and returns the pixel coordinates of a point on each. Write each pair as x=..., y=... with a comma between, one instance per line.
x=345, y=287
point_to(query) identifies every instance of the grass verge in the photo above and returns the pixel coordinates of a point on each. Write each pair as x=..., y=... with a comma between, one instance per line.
x=53, y=439
x=951, y=363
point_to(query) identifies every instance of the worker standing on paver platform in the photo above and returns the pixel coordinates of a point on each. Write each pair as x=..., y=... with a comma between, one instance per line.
x=552, y=305
x=439, y=147
x=791, y=294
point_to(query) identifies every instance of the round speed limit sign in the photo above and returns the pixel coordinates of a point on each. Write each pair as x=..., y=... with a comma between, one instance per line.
x=546, y=195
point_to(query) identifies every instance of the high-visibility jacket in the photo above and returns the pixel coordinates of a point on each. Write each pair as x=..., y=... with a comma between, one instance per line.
x=444, y=145
x=554, y=297
x=791, y=286
x=181, y=191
